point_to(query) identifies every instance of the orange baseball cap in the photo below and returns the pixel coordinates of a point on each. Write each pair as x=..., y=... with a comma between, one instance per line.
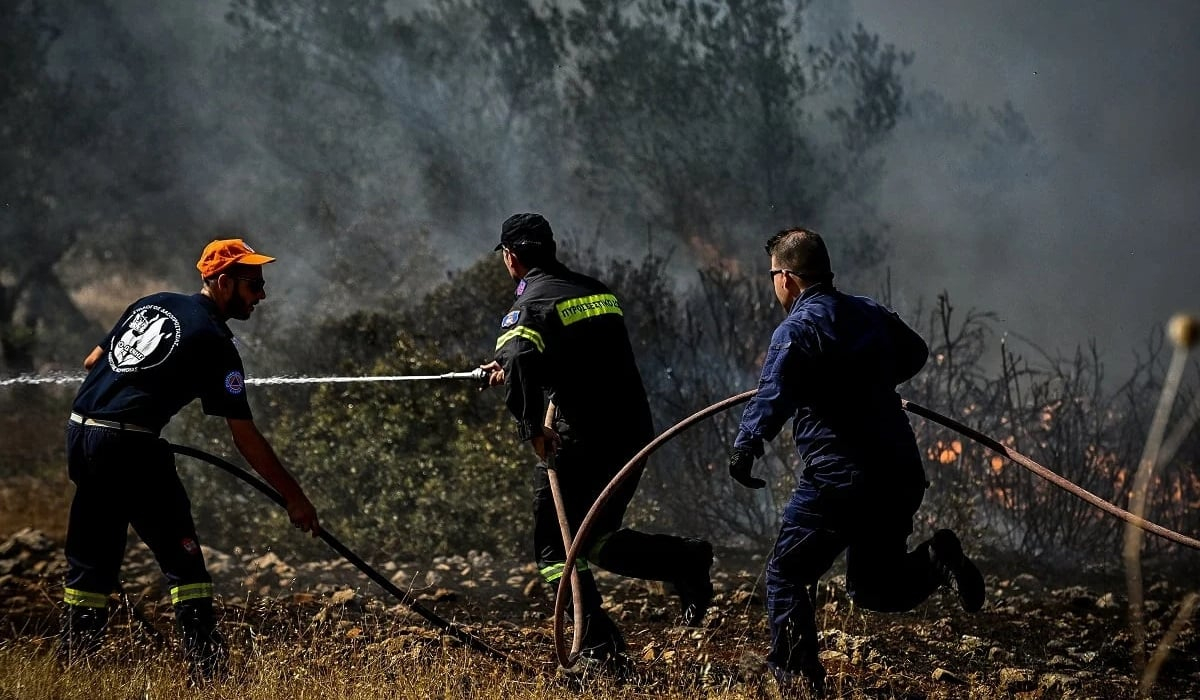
x=220, y=254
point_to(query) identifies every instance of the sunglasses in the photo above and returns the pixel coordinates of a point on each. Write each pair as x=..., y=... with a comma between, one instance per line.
x=255, y=284
x=784, y=271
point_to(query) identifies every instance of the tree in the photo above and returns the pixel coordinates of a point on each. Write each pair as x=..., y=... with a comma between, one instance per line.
x=709, y=118
x=427, y=117
x=77, y=151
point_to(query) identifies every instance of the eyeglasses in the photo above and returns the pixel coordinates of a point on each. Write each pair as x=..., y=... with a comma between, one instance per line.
x=255, y=284
x=784, y=271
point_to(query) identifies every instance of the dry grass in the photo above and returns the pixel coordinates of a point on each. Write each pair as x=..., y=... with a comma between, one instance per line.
x=325, y=668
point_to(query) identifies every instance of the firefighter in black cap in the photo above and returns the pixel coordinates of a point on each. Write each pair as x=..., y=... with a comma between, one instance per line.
x=565, y=337
x=166, y=351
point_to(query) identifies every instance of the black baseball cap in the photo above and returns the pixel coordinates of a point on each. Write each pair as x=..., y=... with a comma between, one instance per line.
x=524, y=229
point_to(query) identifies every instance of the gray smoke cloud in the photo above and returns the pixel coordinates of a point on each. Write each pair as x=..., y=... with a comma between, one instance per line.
x=1081, y=233
x=1098, y=242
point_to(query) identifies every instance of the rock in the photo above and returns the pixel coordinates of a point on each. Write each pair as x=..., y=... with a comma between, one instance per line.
x=271, y=562
x=1057, y=682
x=343, y=596
x=217, y=562
x=1086, y=657
x=1016, y=680
x=833, y=655
x=1028, y=583
x=1060, y=661
x=943, y=676
x=744, y=597
x=481, y=560
x=25, y=542
x=440, y=595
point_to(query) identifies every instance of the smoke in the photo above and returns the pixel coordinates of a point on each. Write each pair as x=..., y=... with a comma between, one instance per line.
x=1084, y=234
x=1047, y=171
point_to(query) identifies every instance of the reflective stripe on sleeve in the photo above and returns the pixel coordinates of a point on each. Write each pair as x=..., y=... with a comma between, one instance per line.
x=522, y=332
x=579, y=308
x=84, y=599
x=191, y=591
x=554, y=572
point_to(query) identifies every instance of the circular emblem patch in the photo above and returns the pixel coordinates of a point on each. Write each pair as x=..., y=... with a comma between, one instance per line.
x=149, y=336
x=235, y=383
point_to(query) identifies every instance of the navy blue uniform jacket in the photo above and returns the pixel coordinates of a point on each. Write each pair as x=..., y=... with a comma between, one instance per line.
x=832, y=368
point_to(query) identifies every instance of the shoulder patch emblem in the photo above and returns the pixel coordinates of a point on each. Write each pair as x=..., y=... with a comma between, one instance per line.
x=510, y=318
x=235, y=383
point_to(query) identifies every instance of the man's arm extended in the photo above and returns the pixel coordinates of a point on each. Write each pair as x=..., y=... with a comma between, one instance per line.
x=259, y=453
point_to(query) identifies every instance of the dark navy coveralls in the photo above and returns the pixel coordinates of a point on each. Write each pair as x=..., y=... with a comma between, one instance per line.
x=832, y=368
x=166, y=350
x=565, y=335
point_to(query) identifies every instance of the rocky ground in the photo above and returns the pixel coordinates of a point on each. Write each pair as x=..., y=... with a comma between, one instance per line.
x=1041, y=634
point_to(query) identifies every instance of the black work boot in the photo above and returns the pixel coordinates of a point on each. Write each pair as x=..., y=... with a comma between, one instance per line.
x=955, y=570
x=203, y=646
x=603, y=650
x=799, y=685
x=82, y=632
x=695, y=588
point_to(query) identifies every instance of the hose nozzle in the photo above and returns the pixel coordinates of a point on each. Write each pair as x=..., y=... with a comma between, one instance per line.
x=478, y=374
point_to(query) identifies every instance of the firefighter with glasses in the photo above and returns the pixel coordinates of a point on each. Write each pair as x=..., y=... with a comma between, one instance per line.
x=166, y=350
x=832, y=369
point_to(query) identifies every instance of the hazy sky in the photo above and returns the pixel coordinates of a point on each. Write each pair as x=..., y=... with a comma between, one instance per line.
x=1100, y=244
x=1104, y=244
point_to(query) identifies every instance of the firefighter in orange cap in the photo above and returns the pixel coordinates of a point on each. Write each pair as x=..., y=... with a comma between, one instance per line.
x=166, y=350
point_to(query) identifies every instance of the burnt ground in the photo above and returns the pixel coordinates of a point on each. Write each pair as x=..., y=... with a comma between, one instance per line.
x=1042, y=633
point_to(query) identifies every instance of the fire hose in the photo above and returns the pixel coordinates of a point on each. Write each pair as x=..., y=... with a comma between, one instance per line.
x=446, y=626
x=567, y=656
x=564, y=526
x=585, y=527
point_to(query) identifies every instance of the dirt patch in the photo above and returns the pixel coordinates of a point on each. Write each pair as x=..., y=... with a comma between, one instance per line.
x=1040, y=635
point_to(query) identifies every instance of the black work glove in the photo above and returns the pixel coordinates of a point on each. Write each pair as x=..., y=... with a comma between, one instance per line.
x=740, y=462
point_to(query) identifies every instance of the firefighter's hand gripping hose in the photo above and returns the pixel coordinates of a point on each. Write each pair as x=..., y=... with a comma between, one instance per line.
x=585, y=527
x=446, y=626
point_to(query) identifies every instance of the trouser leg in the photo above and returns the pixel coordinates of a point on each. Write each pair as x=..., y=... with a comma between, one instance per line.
x=165, y=524
x=585, y=470
x=96, y=532
x=802, y=553
x=881, y=574
x=601, y=635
